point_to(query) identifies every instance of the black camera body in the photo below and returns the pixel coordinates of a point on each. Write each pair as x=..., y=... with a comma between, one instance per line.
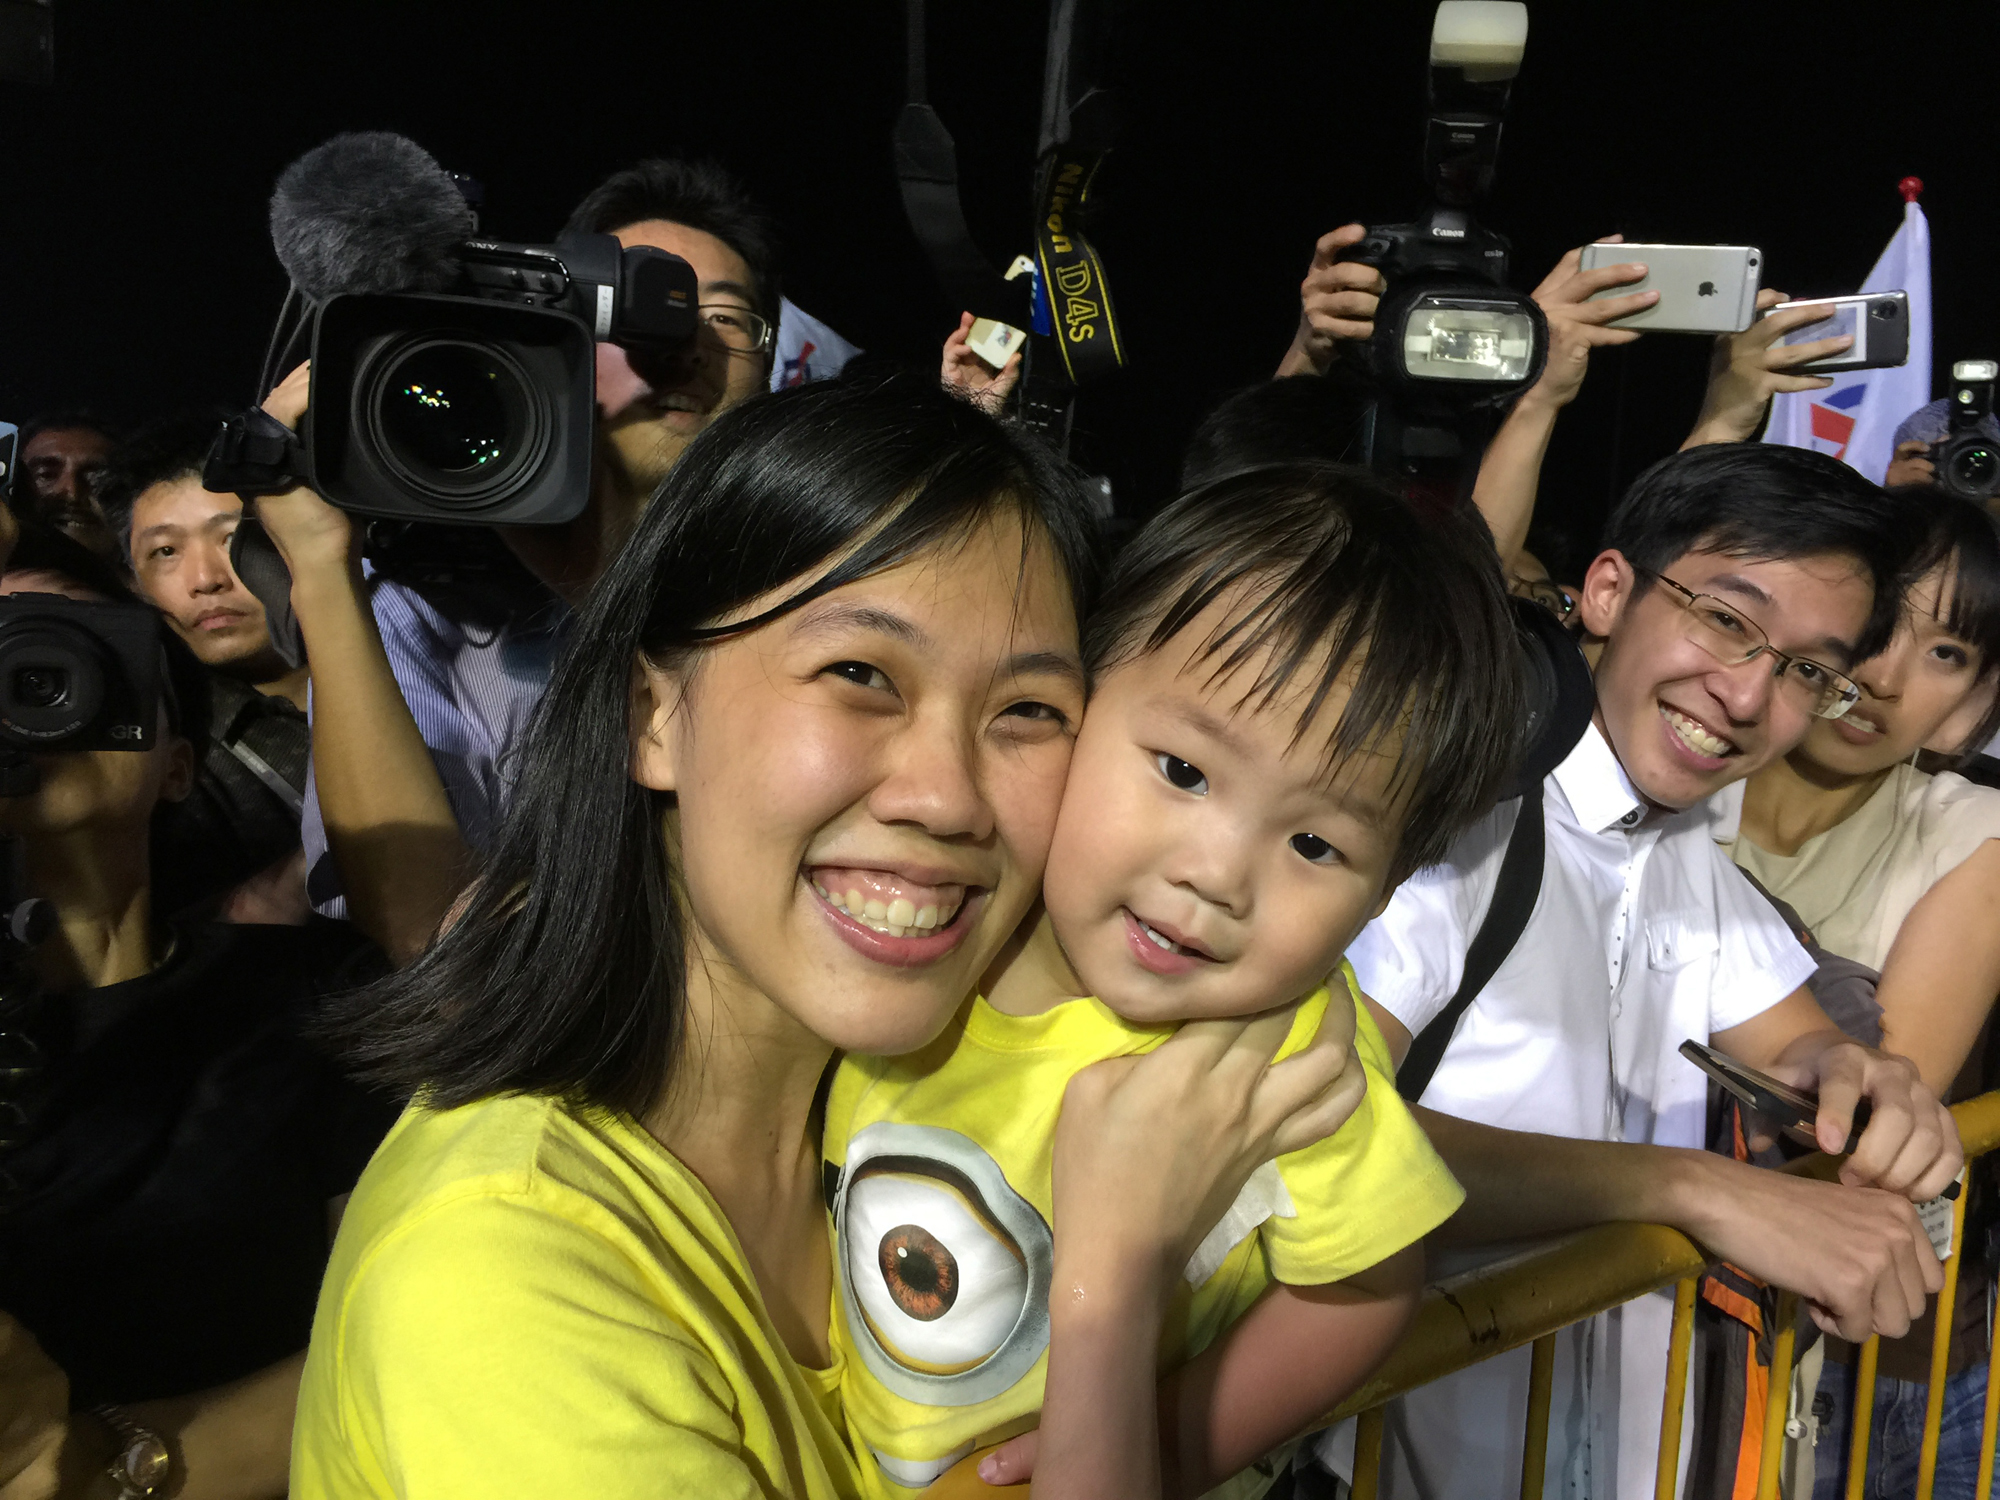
x=478, y=404
x=474, y=404
x=77, y=674
x=1453, y=342
x=1967, y=460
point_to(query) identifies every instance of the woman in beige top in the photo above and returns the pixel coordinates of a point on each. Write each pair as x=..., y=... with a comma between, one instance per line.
x=1899, y=869
x=1887, y=864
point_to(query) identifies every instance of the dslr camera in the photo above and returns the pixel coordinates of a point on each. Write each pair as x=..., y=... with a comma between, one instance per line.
x=1453, y=342
x=1967, y=460
x=75, y=675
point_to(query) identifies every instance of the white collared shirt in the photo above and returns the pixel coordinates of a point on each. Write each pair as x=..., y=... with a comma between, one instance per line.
x=1643, y=936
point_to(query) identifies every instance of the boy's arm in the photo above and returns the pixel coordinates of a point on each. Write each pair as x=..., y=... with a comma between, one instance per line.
x=1278, y=1369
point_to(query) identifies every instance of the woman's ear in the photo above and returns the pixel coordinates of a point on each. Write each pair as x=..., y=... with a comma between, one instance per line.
x=1960, y=724
x=657, y=696
x=1607, y=587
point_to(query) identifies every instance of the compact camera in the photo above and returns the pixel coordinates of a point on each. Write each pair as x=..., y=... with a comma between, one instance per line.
x=476, y=404
x=77, y=674
x=1452, y=339
x=1967, y=460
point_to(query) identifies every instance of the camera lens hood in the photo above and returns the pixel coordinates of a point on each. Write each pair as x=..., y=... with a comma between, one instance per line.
x=1557, y=691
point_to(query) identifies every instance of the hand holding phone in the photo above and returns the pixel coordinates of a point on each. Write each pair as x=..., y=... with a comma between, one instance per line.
x=1703, y=288
x=1784, y=1106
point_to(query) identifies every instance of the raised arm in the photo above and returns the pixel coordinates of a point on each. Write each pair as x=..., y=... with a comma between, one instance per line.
x=1337, y=302
x=1751, y=367
x=1511, y=470
x=389, y=825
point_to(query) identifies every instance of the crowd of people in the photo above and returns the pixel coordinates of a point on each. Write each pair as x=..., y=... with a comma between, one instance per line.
x=823, y=968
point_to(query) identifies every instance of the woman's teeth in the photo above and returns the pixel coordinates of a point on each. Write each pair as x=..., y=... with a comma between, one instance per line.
x=1697, y=738
x=1866, y=726
x=898, y=918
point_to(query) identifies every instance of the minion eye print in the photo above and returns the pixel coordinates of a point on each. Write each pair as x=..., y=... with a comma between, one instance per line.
x=944, y=1267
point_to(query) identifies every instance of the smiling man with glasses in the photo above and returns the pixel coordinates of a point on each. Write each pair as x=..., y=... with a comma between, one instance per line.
x=1738, y=586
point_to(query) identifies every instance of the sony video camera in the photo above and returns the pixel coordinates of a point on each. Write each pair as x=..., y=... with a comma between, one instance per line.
x=1453, y=342
x=1967, y=460
x=76, y=675
x=453, y=377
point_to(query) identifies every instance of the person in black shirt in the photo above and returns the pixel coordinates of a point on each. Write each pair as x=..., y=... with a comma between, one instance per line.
x=177, y=1151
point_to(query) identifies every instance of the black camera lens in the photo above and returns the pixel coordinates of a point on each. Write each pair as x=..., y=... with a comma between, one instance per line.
x=40, y=687
x=52, y=681
x=457, y=420
x=1975, y=470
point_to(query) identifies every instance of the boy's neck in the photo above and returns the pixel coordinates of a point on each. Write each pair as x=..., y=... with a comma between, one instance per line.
x=1032, y=973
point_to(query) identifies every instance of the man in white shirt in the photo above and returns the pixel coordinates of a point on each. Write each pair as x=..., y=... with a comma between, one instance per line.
x=1737, y=584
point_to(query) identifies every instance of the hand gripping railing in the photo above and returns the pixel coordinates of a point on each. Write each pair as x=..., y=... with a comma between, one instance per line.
x=1530, y=1298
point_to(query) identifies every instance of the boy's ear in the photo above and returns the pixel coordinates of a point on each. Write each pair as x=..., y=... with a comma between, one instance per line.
x=1608, y=586
x=1957, y=728
x=657, y=695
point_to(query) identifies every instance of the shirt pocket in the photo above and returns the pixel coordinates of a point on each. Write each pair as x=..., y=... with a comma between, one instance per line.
x=1676, y=940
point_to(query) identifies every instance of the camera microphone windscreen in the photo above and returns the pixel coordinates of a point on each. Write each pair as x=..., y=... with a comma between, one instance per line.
x=369, y=211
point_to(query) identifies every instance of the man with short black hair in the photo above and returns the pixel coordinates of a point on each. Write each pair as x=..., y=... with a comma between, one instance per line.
x=1738, y=585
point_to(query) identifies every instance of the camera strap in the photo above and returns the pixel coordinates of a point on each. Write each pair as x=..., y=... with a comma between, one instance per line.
x=927, y=170
x=1515, y=891
x=1073, y=329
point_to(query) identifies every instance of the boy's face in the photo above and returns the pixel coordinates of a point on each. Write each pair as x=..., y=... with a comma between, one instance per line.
x=1682, y=723
x=1203, y=863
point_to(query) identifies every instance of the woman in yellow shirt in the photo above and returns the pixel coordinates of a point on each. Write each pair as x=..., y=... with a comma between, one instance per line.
x=839, y=653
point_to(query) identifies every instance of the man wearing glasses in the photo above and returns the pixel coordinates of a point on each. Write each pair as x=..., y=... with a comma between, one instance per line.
x=1738, y=584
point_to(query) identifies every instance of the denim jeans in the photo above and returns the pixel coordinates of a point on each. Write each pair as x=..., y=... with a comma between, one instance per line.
x=1897, y=1435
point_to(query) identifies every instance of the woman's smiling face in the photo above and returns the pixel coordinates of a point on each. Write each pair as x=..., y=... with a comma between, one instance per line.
x=867, y=786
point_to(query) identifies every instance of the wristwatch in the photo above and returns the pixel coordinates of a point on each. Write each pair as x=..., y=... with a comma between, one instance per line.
x=144, y=1462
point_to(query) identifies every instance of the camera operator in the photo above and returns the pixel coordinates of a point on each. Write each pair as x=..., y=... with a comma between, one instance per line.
x=61, y=456
x=414, y=712
x=237, y=832
x=172, y=1192
x=1920, y=432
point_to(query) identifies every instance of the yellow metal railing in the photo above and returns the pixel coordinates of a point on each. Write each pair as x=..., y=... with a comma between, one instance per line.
x=1529, y=1298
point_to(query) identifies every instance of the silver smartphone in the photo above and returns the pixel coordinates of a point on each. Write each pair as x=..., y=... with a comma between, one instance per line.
x=1878, y=322
x=1703, y=288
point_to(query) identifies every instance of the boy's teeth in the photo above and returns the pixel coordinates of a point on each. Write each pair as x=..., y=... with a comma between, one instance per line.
x=1167, y=943
x=1695, y=737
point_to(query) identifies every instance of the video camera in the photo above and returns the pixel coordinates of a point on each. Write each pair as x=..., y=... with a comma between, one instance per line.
x=1967, y=459
x=453, y=378
x=1452, y=340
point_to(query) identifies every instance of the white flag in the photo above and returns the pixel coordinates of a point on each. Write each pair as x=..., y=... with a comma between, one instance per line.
x=807, y=348
x=1855, y=418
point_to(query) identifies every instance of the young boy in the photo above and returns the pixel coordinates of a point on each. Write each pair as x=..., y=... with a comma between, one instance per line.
x=1302, y=692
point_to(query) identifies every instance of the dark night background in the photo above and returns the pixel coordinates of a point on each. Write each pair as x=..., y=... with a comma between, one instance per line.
x=137, y=275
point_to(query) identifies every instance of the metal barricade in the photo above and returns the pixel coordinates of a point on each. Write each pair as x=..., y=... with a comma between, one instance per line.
x=1530, y=1298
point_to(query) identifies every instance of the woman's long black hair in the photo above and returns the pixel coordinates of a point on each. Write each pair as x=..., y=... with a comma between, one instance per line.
x=566, y=972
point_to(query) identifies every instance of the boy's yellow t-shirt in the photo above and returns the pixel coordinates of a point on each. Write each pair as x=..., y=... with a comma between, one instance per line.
x=940, y=1165
x=529, y=1300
